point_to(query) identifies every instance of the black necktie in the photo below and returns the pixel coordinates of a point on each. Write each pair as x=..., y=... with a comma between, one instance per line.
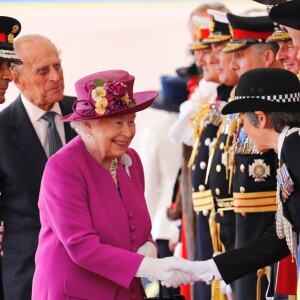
x=53, y=136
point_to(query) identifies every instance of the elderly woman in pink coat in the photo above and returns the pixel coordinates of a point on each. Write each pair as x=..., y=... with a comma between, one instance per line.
x=95, y=241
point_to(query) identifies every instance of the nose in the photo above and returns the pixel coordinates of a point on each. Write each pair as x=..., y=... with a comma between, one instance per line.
x=280, y=54
x=233, y=65
x=7, y=74
x=199, y=58
x=54, y=75
x=128, y=129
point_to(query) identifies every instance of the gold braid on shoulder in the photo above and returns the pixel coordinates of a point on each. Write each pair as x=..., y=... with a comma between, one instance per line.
x=199, y=124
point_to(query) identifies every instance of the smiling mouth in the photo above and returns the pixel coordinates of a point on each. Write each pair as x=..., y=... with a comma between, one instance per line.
x=120, y=143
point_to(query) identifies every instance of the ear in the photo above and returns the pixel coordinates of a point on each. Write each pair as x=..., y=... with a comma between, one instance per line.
x=269, y=58
x=18, y=80
x=87, y=127
x=263, y=119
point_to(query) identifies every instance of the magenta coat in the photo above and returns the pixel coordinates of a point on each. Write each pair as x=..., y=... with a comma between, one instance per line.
x=90, y=233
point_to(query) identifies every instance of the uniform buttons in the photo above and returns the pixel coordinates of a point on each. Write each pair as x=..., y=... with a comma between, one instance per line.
x=201, y=188
x=132, y=227
x=133, y=238
x=218, y=192
x=205, y=213
x=207, y=141
x=242, y=168
x=130, y=215
x=2, y=253
x=202, y=165
x=242, y=189
x=218, y=168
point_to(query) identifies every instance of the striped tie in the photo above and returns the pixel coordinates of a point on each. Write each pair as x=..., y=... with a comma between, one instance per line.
x=53, y=136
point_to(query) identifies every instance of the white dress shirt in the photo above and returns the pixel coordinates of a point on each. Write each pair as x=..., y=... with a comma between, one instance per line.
x=41, y=126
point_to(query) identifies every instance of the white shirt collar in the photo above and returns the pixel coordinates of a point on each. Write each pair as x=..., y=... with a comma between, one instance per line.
x=34, y=112
x=281, y=139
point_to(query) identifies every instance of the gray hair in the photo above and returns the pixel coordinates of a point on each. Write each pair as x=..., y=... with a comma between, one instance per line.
x=278, y=120
x=262, y=47
x=79, y=126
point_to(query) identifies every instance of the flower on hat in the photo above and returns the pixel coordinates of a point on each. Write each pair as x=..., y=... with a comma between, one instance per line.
x=110, y=96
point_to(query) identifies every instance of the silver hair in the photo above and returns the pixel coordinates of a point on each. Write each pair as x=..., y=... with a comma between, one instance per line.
x=278, y=120
x=79, y=126
x=262, y=47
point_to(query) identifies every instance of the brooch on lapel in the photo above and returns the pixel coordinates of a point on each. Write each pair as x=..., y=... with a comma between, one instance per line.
x=285, y=182
x=126, y=162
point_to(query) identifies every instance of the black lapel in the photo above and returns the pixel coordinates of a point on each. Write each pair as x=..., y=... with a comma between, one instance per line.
x=26, y=139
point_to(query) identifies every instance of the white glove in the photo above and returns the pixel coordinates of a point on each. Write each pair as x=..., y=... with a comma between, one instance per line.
x=227, y=290
x=153, y=268
x=199, y=270
x=148, y=249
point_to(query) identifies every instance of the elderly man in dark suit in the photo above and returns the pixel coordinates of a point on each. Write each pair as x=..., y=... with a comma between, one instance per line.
x=26, y=143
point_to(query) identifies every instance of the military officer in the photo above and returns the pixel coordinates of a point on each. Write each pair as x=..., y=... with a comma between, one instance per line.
x=206, y=124
x=251, y=175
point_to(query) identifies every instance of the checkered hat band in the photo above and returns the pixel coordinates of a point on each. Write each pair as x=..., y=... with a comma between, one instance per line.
x=285, y=98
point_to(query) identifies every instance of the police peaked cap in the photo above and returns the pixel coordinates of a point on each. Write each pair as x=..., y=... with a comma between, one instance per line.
x=265, y=89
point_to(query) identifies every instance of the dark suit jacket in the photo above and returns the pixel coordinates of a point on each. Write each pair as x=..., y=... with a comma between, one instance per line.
x=268, y=249
x=22, y=162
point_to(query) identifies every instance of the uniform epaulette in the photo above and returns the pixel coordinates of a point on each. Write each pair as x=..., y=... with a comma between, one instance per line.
x=199, y=124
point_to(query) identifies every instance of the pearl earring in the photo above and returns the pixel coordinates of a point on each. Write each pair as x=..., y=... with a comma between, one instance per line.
x=88, y=135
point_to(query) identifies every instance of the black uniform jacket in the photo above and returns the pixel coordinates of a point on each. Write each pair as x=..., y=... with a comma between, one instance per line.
x=268, y=249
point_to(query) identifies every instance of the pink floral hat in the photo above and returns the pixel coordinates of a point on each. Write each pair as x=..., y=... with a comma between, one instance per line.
x=107, y=94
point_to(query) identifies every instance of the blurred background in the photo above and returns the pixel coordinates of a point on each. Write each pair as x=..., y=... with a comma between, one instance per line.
x=146, y=38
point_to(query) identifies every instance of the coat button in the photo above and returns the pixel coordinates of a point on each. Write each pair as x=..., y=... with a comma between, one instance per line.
x=130, y=215
x=133, y=238
x=132, y=227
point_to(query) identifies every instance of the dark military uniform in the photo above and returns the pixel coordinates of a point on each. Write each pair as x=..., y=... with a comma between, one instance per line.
x=202, y=197
x=254, y=180
x=254, y=193
x=206, y=126
x=221, y=185
x=274, y=90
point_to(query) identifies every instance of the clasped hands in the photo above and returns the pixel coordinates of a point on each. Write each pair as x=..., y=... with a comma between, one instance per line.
x=194, y=271
x=173, y=271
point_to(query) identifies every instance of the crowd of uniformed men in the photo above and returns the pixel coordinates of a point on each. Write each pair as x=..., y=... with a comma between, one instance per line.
x=231, y=185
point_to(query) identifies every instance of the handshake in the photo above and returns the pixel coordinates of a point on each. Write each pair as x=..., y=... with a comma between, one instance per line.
x=174, y=272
